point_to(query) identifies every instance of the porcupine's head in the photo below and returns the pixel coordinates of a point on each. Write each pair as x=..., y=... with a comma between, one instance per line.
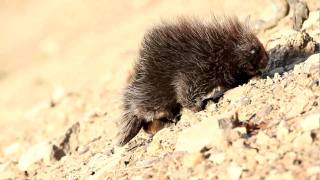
x=247, y=52
x=226, y=45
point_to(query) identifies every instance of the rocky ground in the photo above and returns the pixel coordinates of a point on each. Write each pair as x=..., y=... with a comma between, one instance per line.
x=268, y=128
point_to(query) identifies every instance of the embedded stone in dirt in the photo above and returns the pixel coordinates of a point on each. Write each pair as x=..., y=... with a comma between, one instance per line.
x=200, y=135
x=40, y=151
x=311, y=122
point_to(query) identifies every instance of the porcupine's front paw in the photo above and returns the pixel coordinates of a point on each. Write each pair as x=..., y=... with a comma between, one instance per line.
x=200, y=103
x=196, y=106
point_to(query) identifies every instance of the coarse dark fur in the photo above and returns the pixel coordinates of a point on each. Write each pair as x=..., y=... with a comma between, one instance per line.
x=180, y=63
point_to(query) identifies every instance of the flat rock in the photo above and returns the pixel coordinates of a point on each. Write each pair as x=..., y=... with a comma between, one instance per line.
x=263, y=139
x=234, y=172
x=192, y=159
x=312, y=25
x=303, y=140
x=200, y=135
x=310, y=122
x=282, y=131
x=162, y=142
x=280, y=176
x=40, y=151
x=217, y=158
x=298, y=104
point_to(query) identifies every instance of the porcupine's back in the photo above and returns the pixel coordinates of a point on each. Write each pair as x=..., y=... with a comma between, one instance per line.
x=188, y=43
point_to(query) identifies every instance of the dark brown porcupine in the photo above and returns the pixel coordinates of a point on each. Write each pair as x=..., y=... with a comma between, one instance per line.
x=180, y=63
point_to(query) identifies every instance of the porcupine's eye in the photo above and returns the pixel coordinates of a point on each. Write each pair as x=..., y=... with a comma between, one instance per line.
x=253, y=51
x=254, y=56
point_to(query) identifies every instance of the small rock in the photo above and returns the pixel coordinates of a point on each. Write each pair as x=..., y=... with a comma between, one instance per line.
x=297, y=105
x=11, y=149
x=104, y=165
x=137, y=177
x=192, y=159
x=235, y=94
x=260, y=159
x=233, y=135
x=200, y=135
x=269, y=81
x=282, y=176
x=264, y=111
x=311, y=25
x=311, y=122
x=301, y=141
x=8, y=170
x=289, y=156
x=57, y=95
x=278, y=70
x=238, y=144
x=282, y=130
x=263, y=139
x=234, y=172
x=313, y=170
x=82, y=149
x=188, y=118
x=50, y=47
x=67, y=143
x=244, y=101
x=227, y=120
x=311, y=62
x=241, y=130
x=162, y=142
x=36, y=109
x=3, y=166
x=217, y=158
x=271, y=157
x=40, y=151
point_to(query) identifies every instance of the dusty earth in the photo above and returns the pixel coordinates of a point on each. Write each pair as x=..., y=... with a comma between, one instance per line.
x=64, y=64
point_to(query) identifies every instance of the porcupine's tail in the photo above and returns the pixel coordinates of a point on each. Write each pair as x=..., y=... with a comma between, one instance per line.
x=129, y=127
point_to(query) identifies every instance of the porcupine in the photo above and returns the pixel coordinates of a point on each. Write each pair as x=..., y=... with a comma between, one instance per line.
x=181, y=63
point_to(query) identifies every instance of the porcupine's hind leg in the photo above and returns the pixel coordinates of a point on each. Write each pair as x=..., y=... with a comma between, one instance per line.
x=151, y=121
x=162, y=118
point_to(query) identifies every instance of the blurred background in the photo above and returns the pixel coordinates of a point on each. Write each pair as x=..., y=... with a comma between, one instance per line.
x=74, y=44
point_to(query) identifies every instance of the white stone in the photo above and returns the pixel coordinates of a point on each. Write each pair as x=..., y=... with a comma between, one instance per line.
x=282, y=130
x=297, y=104
x=58, y=94
x=192, y=159
x=200, y=135
x=312, y=61
x=302, y=140
x=11, y=149
x=313, y=170
x=217, y=158
x=262, y=138
x=234, y=172
x=40, y=151
x=311, y=122
x=285, y=176
x=105, y=164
